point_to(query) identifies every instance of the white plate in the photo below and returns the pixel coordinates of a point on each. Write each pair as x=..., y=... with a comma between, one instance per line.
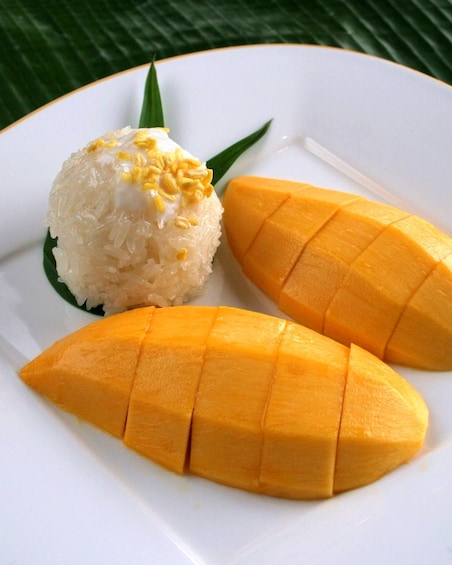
x=71, y=494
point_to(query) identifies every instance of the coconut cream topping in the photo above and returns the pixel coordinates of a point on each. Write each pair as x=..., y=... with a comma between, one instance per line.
x=154, y=172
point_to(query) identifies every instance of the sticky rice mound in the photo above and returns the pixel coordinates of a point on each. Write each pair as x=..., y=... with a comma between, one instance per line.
x=137, y=221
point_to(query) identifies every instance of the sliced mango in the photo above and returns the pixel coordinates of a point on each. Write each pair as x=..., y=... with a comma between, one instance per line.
x=301, y=423
x=324, y=264
x=246, y=208
x=90, y=372
x=383, y=422
x=166, y=383
x=242, y=398
x=349, y=268
x=285, y=233
x=226, y=438
x=426, y=322
x=381, y=281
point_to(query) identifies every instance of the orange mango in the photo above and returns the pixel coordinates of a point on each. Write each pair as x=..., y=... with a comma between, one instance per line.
x=161, y=402
x=284, y=230
x=425, y=322
x=90, y=372
x=258, y=208
x=226, y=437
x=303, y=415
x=242, y=398
x=379, y=409
x=324, y=264
x=352, y=269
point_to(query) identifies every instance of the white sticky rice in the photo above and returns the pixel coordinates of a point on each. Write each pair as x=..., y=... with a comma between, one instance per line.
x=115, y=248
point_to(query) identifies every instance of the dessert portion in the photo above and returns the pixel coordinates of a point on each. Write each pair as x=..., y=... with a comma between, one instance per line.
x=136, y=219
x=355, y=270
x=241, y=398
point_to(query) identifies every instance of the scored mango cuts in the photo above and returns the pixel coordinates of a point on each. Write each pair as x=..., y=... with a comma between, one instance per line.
x=355, y=270
x=242, y=398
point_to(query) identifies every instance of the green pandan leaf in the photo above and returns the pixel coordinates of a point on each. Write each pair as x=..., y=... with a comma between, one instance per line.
x=151, y=116
x=221, y=163
x=52, y=275
x=151, y=110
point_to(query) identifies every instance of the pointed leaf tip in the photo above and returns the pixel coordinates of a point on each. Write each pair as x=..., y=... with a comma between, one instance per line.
x=151, y=110
x=224, y=160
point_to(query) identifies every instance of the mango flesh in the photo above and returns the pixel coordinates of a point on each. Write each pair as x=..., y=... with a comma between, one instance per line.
x=372, y=420
x=242, y=398
x=356, y=274
x=302, y=419
x=324, y=264
x=284, y=230
x=425, y=322
x=161, y=403
x=90, y=372
x=258, y=208
x=232, y=397
x=381, y=281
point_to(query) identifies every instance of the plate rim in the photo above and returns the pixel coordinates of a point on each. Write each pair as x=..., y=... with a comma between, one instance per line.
x=258, y=46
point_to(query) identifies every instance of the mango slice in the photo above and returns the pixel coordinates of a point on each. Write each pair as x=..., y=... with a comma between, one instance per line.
x=284, y=230
x=426, y=324
x=324, y=264
x=239, y=397
x=226, y=438
x=379, y=409
x=247, y=208
x=302, y=419
x=165, y=385
x=351, y=269
x=90, y=372
x=382, y=280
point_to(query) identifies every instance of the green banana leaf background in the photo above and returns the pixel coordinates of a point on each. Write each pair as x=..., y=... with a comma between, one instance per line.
x=51, y=47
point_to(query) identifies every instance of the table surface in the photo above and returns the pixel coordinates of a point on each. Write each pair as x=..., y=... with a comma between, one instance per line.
x=53, y=47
